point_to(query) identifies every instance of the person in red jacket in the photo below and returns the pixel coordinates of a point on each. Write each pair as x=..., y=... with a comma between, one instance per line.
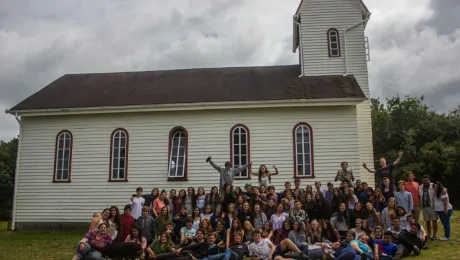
x=127, y=221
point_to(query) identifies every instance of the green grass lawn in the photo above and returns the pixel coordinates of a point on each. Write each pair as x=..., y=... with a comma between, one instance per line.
x=57, y=246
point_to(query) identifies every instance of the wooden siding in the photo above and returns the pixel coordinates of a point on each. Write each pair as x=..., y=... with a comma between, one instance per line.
x=335, y=139
x=317, y=17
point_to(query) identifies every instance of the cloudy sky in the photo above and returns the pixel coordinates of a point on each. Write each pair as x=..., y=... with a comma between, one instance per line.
x=415, y=44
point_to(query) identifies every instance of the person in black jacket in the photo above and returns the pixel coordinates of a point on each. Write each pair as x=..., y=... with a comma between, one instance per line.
x=206, y=249
x=408, y=241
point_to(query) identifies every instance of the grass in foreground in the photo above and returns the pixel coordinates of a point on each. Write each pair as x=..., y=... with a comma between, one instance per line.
x=61, y=246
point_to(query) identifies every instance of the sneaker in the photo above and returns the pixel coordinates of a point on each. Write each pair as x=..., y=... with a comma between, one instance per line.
x=444, y=238
x=303, y=256
x=434, y=238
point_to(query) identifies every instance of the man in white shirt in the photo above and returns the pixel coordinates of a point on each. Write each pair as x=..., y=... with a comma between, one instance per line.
x=137, y=203
x=265, y=250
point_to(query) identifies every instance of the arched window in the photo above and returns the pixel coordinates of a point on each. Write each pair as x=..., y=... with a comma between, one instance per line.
x=333, y=41
x=119, y=155
x=303, y=150
x=240, y=149
x=178, y=151
x=63, y=157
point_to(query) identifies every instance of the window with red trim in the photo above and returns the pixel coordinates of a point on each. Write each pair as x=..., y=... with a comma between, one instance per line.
x=119, y=155
x=240, y=149
x=178, y=149
x=333, y=41
x=63, y=157
x=303, y=150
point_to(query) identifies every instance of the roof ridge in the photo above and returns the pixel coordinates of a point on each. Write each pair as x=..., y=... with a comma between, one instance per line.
x=183, y=69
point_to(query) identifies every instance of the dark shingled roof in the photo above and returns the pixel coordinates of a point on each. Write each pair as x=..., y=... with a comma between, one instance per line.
x=189, y=86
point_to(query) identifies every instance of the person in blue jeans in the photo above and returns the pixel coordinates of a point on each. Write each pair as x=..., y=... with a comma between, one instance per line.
x=443, y=208
x=94, y=242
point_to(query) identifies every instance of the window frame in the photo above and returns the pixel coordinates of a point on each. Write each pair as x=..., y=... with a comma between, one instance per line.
x=112, y=136
x=170, y=139
x=248, y=149
x=329, y=42
x=56, y=151
x=294, y=149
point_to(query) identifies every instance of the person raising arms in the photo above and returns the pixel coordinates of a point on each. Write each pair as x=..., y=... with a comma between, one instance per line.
x=265, y=177
x=385, y=170
x=227, y=174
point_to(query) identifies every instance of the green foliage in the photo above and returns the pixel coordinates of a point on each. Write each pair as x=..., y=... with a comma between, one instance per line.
x=8, y=152
x=430, y=141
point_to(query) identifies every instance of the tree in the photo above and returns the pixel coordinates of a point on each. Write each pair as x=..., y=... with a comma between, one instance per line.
x=430, y=141
x=8, y=153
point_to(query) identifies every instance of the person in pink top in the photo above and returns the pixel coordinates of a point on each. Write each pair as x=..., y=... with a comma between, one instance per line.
x=412, y=187
x=159, y=203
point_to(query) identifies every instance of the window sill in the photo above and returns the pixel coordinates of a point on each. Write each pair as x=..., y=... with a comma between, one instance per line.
x=305, y=177
x=55, y=181
x=118, y=180
x=177, y=179
x=243, y=178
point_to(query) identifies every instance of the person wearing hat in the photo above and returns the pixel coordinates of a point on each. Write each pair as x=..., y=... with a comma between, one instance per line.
x=227, y=174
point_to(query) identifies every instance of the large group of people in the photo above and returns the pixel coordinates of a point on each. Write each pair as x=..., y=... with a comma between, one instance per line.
x=347, y=221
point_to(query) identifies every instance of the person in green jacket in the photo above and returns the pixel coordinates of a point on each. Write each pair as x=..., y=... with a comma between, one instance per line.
x=162, y=221
x=161, y=248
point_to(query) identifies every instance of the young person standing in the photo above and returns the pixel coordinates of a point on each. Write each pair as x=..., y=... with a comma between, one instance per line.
x=412, y=187
x=426, y=194
x=403, y=197
x=137, y=203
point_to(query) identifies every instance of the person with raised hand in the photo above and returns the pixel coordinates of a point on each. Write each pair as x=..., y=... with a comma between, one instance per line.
x=385, y=170
x=264, y=176
x=227, y=174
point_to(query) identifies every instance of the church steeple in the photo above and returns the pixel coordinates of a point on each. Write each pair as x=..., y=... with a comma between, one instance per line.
x=329, y=37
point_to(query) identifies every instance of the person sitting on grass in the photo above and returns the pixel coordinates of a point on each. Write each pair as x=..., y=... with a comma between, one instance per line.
x=265, y=249
x=137, y=237
x=187, y=233
x=239, y=249
x=409, y=242
x=161, y=248
x=92, y=245
x=384, y=249
x=207, y=249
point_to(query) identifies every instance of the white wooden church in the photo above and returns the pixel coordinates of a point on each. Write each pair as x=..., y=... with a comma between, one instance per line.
x=88, y=140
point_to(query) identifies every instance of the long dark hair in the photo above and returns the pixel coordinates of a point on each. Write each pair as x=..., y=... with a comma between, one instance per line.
x=266, y=171
x=328, y=232
x=343, y=216
x=139, y=232
x=116, y=219
x=439, y=190
x=157, y=195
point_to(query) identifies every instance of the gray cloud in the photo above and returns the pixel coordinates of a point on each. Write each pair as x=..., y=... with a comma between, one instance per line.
x=411, y=51
x=445, y=18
